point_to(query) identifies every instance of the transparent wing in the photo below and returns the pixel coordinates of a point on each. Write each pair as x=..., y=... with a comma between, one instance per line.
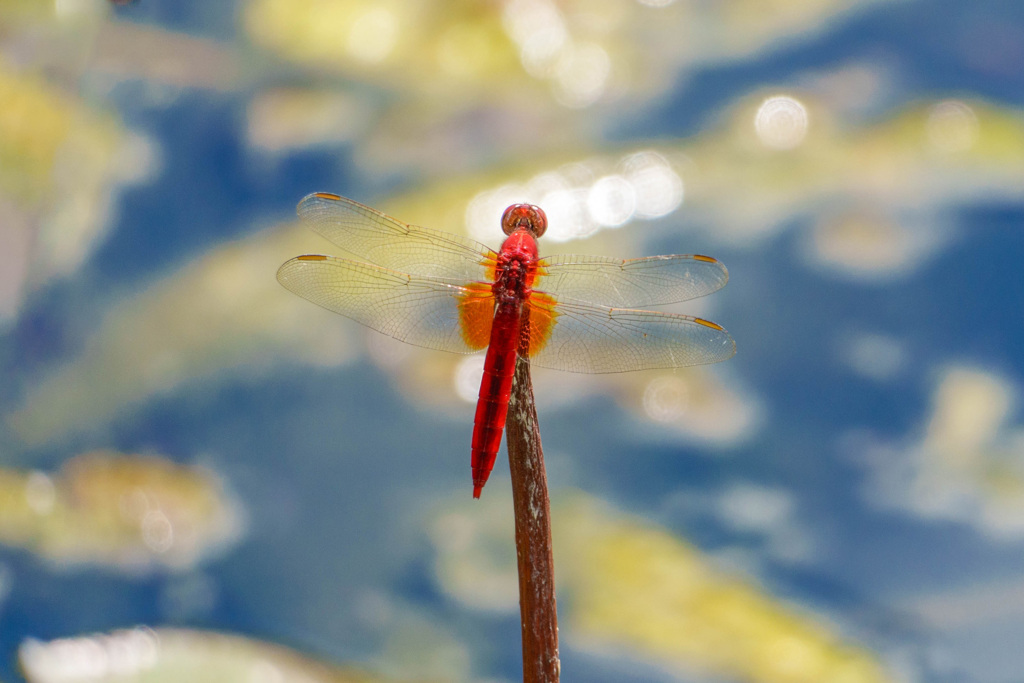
x=441, y=303
x=375, y=237
x=595, y=339
x=419, y=311
x=632, y=282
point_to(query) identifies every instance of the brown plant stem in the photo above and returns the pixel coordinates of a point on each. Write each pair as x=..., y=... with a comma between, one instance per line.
x=537, y=609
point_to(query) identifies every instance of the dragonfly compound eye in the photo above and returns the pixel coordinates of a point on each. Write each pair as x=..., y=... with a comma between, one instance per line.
x=527, y=215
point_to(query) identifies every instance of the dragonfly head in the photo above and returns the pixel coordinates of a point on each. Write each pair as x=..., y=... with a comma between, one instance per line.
x=524, y=215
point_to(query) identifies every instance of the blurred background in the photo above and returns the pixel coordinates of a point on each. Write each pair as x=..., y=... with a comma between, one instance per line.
x=204, y=477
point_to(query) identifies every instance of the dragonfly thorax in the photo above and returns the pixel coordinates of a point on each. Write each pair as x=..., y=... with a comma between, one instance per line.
x=517, y=265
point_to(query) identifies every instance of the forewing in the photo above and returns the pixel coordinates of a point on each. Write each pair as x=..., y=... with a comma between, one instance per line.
x=376, y=237
x=596, y=339
x=632, y=282
x=416, y=310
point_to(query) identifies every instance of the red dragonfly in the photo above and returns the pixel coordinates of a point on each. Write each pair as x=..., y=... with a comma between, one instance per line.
x=444, y=291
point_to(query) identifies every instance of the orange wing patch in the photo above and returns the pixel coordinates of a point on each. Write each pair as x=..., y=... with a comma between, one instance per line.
x=537, y=272
x=476, y=313
x=543, y=312
x=490, y=262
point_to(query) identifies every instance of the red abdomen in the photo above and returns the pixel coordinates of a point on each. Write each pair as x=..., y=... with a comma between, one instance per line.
x=495, y=389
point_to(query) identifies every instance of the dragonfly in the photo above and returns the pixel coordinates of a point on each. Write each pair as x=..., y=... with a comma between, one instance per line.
x=444, y=291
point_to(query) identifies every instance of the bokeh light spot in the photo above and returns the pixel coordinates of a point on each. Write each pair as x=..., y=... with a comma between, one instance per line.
x=539, y=30
x=373, y=35
x=581, y=75
x=611, y=201
x=157, y=531
x=658, y=188
x=781, y=122
x=952, y=126
x=666, y=399
x=40, y=493
x=468, y=374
